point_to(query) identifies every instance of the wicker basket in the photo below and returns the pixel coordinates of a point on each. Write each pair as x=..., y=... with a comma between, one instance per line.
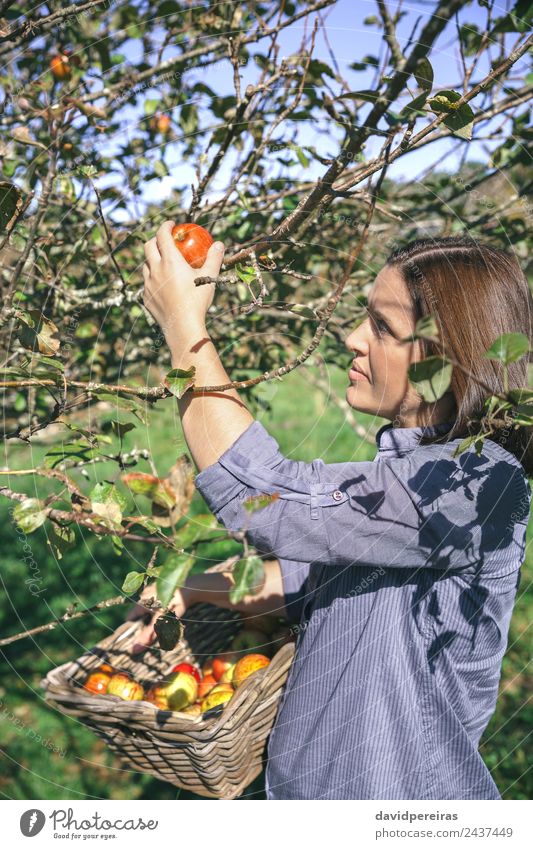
x=217, y=754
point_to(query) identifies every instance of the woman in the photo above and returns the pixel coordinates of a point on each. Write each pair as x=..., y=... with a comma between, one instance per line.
x=400, y=574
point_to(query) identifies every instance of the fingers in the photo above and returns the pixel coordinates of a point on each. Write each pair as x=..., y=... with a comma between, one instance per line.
x=164, y=239
x=146, y=636
x=151, y=252
x=214, y=259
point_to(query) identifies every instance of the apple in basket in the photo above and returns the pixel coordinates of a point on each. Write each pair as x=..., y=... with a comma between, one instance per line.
x=122, y=685
x=181, y=691
x=189, y=668
x=219, y=695
x=222, y=662
x=250, y=638
x=206, y=684
x=97, y=682
x=246, y=666
x=157, y=696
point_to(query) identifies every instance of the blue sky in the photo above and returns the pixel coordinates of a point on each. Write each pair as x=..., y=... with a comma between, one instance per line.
x=350, y=39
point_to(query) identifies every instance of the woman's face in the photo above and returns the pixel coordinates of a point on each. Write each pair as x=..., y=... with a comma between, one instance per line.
x=383, y=388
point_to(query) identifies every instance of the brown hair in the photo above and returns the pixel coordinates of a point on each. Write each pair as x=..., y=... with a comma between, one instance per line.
x=476, y=293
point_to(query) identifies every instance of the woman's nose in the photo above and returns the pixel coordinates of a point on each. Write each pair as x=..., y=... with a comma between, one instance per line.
x=357, y=340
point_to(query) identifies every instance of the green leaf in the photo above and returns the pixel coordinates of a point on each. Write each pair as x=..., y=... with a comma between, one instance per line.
x=172, y=575
x=521, y=396
x=415, y=106
x=61, y=538
x=118, y=545
x=249, y=576
x=366, y=94
x=80, y=450
x=132, y=582
x=476, y=440
x=431, y=377
x=121, y=428
x=10, y=205
x=201, y=526
x=301, y=309
x=125, y=404
x=460, y=117
x=178, y=380
x=302, y=158
x=169, y=630
x=426, y=327
x=151, y=106
x=508, y=348
x=154, y=488
x=523, y=414
x=29, y=514
x=424, y=73
x=108, y=503
x=36, y=332
x=245, y=273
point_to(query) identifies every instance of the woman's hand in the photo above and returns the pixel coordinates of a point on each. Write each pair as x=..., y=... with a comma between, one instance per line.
x=179, y=603
x=170, y=295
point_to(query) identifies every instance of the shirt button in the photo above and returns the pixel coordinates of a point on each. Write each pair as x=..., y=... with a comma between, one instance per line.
x=337, y=495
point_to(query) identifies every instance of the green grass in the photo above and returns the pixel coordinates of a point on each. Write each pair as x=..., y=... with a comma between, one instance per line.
x=307, y=425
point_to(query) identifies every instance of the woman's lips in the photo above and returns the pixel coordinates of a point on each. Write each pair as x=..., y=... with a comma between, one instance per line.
x=356, y=375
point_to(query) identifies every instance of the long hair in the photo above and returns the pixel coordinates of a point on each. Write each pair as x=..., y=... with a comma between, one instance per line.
x=476, y=293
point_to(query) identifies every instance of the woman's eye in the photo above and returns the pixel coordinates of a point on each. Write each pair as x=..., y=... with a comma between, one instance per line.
x=381, y=325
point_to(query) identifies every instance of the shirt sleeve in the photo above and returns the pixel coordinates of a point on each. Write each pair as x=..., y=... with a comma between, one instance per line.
x=405, y=512
x=294, y=576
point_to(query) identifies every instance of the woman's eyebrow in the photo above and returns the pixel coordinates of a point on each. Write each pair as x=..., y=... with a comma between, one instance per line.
x=377, y=312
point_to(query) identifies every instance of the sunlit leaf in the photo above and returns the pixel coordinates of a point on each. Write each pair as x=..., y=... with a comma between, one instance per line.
x=36, y=332
x=29, y=514
x=132, y=582
x=154, y=488
x=431, y=377
x=172, y=575
x=508, y=347
x=178, y=380
x=249, y=575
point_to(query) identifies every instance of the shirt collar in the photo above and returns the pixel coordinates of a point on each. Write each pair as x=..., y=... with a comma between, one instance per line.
x=403, y=439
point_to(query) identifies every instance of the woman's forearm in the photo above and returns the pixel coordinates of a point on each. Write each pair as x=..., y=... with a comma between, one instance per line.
x=211, y=422
x=214, y=588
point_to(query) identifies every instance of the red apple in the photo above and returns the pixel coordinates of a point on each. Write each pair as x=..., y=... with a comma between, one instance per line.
x=125, y=687
x=247, y=665
x=207, y=684
x=189, y=668
x=222, y=662
x=97, y=682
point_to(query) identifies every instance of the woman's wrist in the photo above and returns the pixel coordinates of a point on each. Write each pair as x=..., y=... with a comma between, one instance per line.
x=184, y=346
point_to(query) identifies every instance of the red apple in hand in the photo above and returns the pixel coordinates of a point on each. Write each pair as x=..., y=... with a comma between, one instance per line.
x=193, y=242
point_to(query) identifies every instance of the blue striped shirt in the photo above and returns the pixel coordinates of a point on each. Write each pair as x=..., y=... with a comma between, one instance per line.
x=400, y=576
